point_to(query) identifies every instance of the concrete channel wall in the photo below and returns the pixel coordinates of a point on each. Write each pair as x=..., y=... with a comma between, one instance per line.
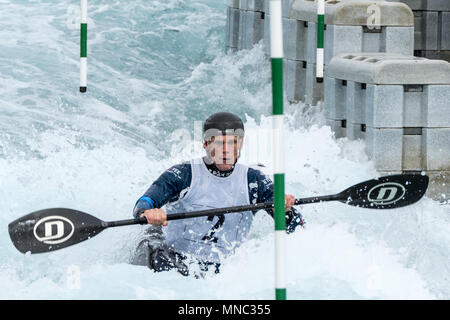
x=378, y=86
x=431, y=28
x=398, y=104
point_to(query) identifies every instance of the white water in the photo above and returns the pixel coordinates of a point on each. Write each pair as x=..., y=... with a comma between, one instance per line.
x=155, y=68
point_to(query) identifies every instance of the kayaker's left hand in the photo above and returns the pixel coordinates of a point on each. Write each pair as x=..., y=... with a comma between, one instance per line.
x=289, y=201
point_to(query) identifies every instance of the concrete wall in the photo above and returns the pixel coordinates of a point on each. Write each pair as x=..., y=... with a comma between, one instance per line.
x=431, y=28
x=374, y=87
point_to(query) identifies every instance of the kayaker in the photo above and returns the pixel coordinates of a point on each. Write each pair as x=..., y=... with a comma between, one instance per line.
x=214, y=181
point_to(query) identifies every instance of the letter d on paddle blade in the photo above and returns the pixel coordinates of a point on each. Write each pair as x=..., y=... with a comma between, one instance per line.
x=387, y=192
x=53, y=229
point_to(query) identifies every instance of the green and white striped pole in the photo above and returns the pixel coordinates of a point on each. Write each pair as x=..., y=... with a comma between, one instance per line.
x=83, y=47
x=276, y=53
x=320, y=39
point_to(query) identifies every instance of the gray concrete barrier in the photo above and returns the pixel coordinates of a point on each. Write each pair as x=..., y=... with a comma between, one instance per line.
x=232, y=28
x=432, y=30
x=285, y=7
x=251, y=28
x=431, y=27
x=381, y=93
x=245, y=24
x=350, y=27
x=426, y=5
x=398, y=104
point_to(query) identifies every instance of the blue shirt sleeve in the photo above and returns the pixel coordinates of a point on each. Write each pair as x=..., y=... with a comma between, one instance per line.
x=260, y=189
x=167, y=188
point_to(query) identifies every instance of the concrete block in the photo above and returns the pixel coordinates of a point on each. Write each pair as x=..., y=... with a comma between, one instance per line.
x=313, y=89
x=384, y=147
x=437, y=5
x=433, y=5
x=419, y=25
x=396, y=40
x=432, y=54
x=356, y=131
x=414, y=106
x=437, y=148
x=294, y=79
x=242, y=29
x=406, y=150
x=232, y=30
x=295, y=39
x=426, y=30
x=412, y=152
x=355, y=110
x=405, y=92
x=335, y=98
x=398, y=106
x=445, y=30
x=311, y=41
x=384, y=106
x=409, y=149
x=413, y=4
x=343, y=39
x=267, y=34
x=385, y=68
x=432, y=30
x=437, y=110
x=285, y=7
x=355, y=13
x=233, y=4
x=251, y=28
x=253, y=5
x=395, y=106
x=338, y=127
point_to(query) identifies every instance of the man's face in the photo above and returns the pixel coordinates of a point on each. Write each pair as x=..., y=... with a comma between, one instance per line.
x=223, y=150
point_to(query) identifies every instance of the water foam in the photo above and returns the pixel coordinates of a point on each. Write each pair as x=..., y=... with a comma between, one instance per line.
x=160, y=70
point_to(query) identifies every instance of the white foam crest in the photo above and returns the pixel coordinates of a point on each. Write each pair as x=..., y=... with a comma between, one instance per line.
x=99, y=152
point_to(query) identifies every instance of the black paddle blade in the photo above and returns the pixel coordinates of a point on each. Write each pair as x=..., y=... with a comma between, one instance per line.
x=386, y=192
x=53, y=229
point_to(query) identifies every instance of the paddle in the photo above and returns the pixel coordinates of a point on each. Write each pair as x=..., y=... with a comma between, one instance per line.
x=57, y=228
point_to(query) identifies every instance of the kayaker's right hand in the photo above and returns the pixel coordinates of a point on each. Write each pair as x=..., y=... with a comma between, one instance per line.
x=156, y=217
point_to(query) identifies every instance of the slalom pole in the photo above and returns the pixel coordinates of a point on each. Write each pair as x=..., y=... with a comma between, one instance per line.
x=276, y=53
x=83, y=47
x=320, y=40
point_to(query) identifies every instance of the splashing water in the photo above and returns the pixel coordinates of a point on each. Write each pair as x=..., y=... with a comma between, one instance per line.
x=155, y=71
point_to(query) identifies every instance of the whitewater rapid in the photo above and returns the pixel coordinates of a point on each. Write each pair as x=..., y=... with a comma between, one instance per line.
x=156, y=69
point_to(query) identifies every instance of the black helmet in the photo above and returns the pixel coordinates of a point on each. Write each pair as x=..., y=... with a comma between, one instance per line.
x=223, y=123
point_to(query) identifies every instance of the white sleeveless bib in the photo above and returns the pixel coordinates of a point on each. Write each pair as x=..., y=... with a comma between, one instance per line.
x=207, y=191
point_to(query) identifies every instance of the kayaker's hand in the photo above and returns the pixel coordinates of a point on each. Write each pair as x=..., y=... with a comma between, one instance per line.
x=289, y=201
x=156, y=217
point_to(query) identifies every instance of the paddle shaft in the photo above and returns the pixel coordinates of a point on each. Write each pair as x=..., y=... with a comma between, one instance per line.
x=213, y=212
x=57, y=228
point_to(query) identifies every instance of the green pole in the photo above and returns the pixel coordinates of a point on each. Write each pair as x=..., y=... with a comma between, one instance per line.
x=320, y=39
x=276, y=53
x=83, y=47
